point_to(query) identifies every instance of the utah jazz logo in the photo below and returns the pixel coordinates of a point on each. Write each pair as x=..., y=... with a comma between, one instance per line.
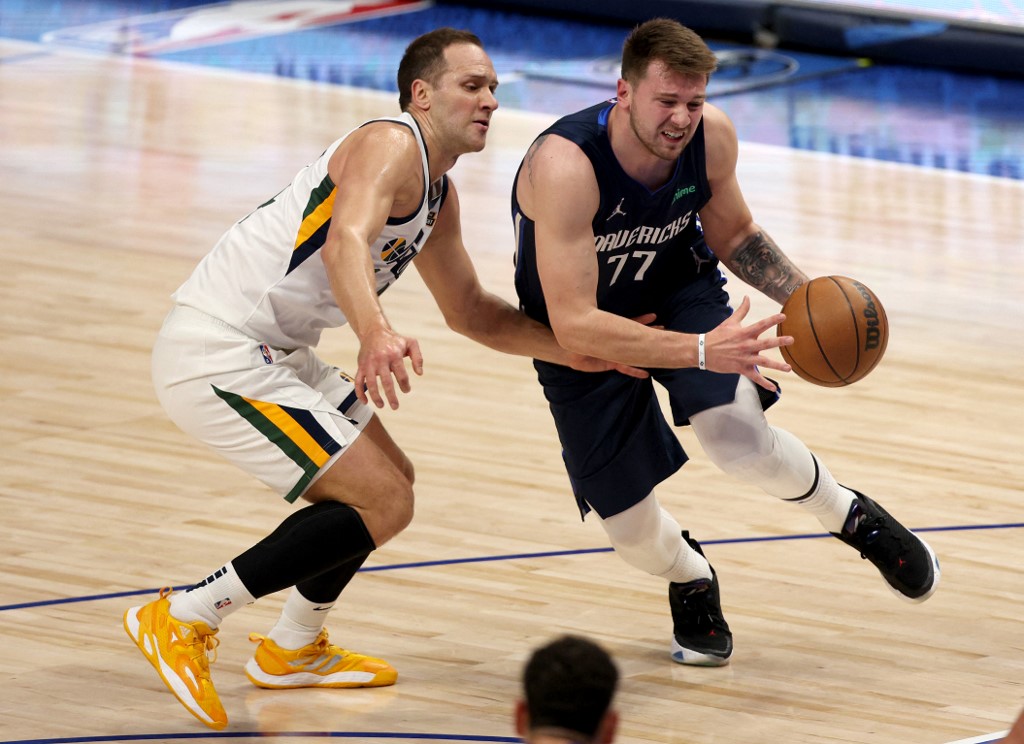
x=394, y=250
x=398, y=252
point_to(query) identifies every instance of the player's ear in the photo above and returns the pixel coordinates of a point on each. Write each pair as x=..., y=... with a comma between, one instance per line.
x=609, y=725
x=522, y=719
x=622, y=91
x=421, y=94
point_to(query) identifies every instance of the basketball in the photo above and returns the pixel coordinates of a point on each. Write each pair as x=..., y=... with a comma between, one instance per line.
x=839, y=331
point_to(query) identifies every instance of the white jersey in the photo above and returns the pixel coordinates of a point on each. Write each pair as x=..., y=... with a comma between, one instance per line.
x=265, y=277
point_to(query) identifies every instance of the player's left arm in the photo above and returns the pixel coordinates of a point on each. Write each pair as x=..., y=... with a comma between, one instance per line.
x=469, y=309
x=729, y=229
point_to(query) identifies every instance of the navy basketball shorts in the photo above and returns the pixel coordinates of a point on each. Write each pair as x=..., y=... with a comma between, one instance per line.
x=616, y=443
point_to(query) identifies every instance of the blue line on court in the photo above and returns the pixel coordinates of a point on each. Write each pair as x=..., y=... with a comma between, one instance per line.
x=264, y=735
x=511, y=557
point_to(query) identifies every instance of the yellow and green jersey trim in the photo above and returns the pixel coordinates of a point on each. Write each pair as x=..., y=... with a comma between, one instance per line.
x=316, y=220
x=295, y=431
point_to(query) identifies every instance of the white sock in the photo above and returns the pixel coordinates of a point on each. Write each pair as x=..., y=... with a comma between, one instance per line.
x=300, y=623
x=212, y=600
x=688, y=566
x=828, y=501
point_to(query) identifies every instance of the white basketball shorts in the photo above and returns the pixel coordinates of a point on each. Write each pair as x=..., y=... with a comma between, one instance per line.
x=284, y=416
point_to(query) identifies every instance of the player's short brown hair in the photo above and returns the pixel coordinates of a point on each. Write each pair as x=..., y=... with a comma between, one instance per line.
x=424, y=59
x=669, y=42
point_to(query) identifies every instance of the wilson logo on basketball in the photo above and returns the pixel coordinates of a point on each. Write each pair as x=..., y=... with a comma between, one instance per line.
x=873, y=333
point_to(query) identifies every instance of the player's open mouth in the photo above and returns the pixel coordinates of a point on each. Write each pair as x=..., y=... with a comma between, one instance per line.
x=673, y=136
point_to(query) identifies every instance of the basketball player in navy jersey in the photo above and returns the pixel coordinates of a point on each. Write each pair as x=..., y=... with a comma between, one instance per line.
x=627, y=208
x=234, y=365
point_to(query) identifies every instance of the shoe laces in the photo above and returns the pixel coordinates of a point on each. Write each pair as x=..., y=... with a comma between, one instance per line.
x=698, y=586
x=322, y=647
x=696, y=600
x=880, y=537
x=703, y=613
x=203, y=648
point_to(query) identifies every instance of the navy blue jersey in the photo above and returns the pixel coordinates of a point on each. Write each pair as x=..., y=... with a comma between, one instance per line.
x=648, y=244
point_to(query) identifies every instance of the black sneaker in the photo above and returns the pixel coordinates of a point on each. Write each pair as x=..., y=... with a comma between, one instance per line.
x=905, y=561
x=700, y=635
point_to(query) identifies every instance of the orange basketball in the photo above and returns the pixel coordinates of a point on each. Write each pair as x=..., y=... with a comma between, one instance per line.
x=839, y=331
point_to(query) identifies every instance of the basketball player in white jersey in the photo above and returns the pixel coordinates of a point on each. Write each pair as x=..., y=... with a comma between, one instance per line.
x=233, y=366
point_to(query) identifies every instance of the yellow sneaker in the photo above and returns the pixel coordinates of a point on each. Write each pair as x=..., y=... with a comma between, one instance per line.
x=178, y=651
x=319, y=664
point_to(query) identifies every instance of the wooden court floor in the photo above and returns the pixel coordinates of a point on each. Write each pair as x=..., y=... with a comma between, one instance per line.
x=117, y=176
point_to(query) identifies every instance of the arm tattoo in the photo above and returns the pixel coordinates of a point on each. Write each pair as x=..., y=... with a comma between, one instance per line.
x=761, y=264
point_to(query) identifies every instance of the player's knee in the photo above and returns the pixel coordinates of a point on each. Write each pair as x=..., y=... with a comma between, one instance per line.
x=408, y=471
x=735, y=436
x=405, y=507
x=394, y=513
x=737, y=447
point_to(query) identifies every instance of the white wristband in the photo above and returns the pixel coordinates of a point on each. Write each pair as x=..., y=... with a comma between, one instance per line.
x=701, y=360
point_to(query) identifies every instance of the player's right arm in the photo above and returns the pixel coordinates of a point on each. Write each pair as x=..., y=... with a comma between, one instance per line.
x=558, y=190
x=378, y=172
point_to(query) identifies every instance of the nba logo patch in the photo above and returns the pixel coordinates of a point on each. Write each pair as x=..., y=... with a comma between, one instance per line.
x=222, y=603
x=265, y=350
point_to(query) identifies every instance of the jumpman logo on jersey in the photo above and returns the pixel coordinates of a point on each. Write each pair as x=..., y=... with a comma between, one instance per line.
x=618, y=210
x=697, y=259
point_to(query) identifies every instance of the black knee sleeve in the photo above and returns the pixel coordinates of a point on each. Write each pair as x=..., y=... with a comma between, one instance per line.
x=312, y=541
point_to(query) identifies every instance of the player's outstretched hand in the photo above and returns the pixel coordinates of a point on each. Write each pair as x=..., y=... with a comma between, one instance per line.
x=733, y=347
x=382, y=363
